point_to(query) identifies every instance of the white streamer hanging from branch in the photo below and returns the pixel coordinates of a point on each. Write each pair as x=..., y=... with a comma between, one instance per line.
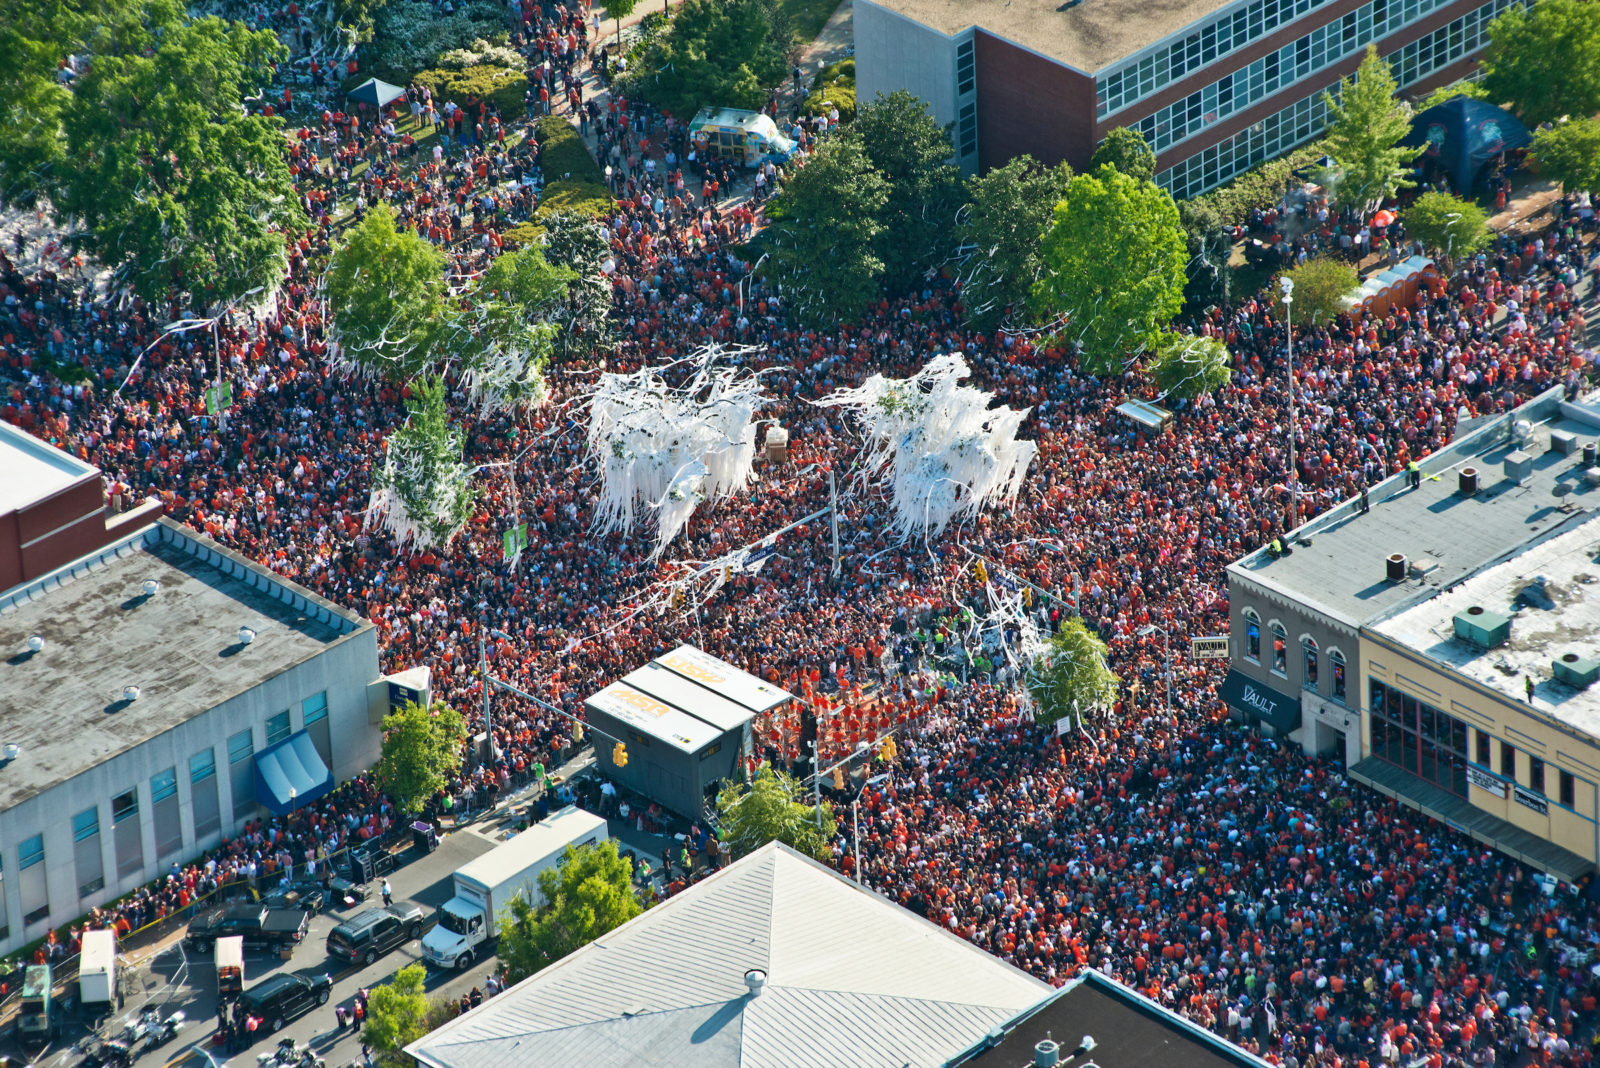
x=423, y=494
x=936, y=446
x=668, y=448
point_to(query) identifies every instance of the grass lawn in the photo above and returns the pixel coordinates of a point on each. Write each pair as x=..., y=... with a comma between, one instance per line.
x=809, y=16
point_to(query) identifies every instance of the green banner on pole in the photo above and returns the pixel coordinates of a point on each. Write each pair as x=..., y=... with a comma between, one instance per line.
x=219, y=398
x=514, y=541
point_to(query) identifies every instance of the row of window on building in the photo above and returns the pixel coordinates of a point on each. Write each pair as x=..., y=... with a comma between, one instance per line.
x=1310, y=659
x=127, y=840
x=1306, y=118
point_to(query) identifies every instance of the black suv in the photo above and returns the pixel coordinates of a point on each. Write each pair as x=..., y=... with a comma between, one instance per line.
x=280, y=998
x=260, y=925
x=371, y=933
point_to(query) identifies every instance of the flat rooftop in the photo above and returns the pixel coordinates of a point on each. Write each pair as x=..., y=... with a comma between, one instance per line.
x=1342, y=572
x=1089, y=37
x=34, y=469
x=64, y=705
x=1128, y=1029
x=1551, y=589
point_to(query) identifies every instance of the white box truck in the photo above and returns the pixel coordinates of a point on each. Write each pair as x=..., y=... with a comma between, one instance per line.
x=97, y=968
x=485, y=886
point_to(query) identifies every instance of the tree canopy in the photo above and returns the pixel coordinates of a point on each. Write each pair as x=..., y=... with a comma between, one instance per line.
x=824, y=228
x=1189, y=365
x=1365, y=121
x=1446, y=224
x=575, y=242
x=1126, y=149
x=589, y=893
x=1073, y=680
x=772, y=808
x=385, y=291
x=1570, y=154
x=722, y=53
x=504, y=335
x=1543, y=61
x=421, y=750
x=1000, y=230
x=1320, y=286
x=397, y=1015
x=912, y=153
x=169, y=181
x=1113, y=267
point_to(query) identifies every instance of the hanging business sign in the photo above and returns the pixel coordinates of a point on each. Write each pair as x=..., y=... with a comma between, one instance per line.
x=1261, y=702
x=1486, y=782
x=1532, y=800
x=1211, y=647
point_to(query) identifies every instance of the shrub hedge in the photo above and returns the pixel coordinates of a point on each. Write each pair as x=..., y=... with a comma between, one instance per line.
x=588, y=198
x=1256, y=188
x=833, y=86
x=502, y=85
x=521, y=235
x=563, y=157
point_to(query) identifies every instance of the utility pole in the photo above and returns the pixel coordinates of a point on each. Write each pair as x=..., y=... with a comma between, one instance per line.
x=1294, y=470
x=833, y=519
x=1166, y=655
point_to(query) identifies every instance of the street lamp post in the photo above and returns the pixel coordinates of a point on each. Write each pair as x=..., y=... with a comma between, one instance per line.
x=1294, y=470
x=855, y=818
x=1166, y=654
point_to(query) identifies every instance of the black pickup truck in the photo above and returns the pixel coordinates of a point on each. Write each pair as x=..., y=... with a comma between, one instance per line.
x=261, y=926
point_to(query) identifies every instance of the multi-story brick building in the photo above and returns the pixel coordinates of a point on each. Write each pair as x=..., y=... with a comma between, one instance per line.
x=1216, y=88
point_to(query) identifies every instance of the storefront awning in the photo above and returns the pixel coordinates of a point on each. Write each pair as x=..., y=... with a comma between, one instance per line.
x=291, y=773
x=1261, y=702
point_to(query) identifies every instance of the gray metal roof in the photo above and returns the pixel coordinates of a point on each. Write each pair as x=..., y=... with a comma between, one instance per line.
x=662, y=682
x=1342, y=571
x=853, y=980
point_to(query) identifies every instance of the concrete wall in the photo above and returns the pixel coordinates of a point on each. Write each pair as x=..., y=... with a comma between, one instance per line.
x=893, y=52
x=1576, y=828
x=343, y=670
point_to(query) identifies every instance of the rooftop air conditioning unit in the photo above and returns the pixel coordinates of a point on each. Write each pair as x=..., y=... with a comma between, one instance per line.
x=1576, y=671
x=1483, y=628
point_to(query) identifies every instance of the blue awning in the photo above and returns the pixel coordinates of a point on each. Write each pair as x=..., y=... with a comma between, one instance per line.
x=291, y=773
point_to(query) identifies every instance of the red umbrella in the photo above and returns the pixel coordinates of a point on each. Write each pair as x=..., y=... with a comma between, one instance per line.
x=1383, y=218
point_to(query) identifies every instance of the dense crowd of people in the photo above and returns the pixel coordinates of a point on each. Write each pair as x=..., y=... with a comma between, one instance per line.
x=1250, y=888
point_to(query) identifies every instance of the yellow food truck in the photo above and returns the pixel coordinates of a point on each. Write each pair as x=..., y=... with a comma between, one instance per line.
x=747, y=137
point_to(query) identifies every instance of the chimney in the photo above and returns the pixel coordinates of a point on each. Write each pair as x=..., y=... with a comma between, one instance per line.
x=755, y=979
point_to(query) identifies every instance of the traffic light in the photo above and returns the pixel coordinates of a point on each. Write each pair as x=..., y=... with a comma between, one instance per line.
x=1027, y=596
x=577, y=733
x=979, y=571
x=838, y=778
x=619, y=755
x=888, y=751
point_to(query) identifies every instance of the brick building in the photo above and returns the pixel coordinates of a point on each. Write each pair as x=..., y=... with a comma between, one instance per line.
x=1216, y=88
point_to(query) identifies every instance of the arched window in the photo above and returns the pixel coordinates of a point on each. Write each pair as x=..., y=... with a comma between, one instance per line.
x=1308, y=649
x=1280, y=649
x=1252, y=636
x=1336, y=662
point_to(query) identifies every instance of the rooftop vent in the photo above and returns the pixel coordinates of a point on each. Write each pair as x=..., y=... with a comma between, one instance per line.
x=1046, y=1054
x=1576, y=671
x=150, y=587
x=1483, y=628
x=1591, y=454
x=246, y=635
x=10, y=751
x=1397, y=567
x=1519, y=465
x=1522, y=431
x=1467, y=481
x=130, y=692
x=35, y=643
x=1422, y=567
x=755, y=979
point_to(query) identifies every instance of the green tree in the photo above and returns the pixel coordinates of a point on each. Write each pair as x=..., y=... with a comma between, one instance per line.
x=824, y=226
x=1126, y=149
x=576, y=243
x=912, y=153
x=504, y=335
x=421, y=750
x=423, y=494
x=1113, y=261
x=1072, y=678
x=772, y=808
x=385, y=291
x=723, y=53
x=1543, y=61
x=169, y=181
x=1320, y=286
x=1446, y=93
x=1448, y=225
x=1570, y=154
x=1364, y=122
x=619, y=10
x=589, y=893
x=397, y=1015
x=1001, y=229
x=1189, y=365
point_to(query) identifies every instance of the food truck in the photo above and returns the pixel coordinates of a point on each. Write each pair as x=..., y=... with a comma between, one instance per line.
x=747, y=137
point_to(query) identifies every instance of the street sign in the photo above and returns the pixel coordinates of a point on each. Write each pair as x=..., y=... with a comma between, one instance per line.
x=1211, y=647
x=219, y=398
x=513, y=541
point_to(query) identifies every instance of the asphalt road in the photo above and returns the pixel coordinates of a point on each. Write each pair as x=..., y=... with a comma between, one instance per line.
x=179, y=979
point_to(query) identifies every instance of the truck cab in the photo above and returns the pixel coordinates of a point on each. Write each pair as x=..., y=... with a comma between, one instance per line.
x=39, y=1017
x=749, y=138
x=453, y=942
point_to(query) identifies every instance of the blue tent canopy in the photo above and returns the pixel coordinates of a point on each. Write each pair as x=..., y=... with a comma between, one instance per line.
x=377, y=93
x=291, y=773
x=1463, y=135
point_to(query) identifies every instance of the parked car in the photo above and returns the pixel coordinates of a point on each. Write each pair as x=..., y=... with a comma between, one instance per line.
x=280, y=998
x=309, y=896
x=370, y=933
x=258, y=924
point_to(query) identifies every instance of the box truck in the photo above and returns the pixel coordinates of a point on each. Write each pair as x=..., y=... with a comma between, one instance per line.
x=97, y=969
x=485, y=886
